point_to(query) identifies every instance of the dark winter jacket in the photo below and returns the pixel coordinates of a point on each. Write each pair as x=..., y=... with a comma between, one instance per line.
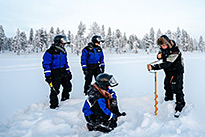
x=172, y=61
x=92, y=57
x=55, y=62
x=96, y=104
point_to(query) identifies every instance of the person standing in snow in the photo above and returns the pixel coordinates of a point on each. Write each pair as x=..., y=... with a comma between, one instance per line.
x=92, y=61
x=57, y=71
x=172, y=64
x=100, y=108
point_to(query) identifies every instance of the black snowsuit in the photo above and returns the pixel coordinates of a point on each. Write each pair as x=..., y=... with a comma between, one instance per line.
x=56, y=68
x=174, y=68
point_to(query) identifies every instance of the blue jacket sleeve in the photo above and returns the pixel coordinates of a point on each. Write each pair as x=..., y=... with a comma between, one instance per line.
x=102, y=105
x=47, y=61
x=113, y=93
x=84, y=57
x=86, y=109
x=67, y=67
x=102, y=64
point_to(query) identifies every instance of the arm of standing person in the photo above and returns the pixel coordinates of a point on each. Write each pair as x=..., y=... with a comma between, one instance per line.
x=47, y=61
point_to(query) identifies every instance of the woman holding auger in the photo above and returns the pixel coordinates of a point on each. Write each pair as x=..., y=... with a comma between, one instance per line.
x=172, y=64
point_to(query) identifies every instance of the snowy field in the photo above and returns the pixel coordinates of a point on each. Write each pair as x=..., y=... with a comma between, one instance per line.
x=25, y=109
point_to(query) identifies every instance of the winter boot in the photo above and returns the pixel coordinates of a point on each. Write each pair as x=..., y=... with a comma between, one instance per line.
x=53, y=106
x=168, y=98
x=90, y=127
x=177, y=114
x=179, y=106
x=65, y=98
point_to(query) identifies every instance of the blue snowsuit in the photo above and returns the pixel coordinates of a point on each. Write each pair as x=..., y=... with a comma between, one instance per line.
x=92, y=62
x=56, y=67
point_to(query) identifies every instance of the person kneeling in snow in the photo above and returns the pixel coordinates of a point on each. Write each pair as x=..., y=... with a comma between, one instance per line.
x=100, y=108
x=172, y=63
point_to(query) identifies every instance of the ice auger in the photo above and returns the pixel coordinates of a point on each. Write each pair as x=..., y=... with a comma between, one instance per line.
x=155, y=92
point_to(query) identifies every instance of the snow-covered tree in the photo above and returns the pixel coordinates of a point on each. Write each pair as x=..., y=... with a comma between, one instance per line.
x=131, y=42
x=80, y=37
x=103, y=35
x=124, y=41
x=146, y=43
x=200, y=44
x=2, y=39
x=58, y=32
x=184, y=40
x=109, y=39
x=16, y=45
x=94, y=30
x=118, y=41
x=159, y=34
x=23, y=42
x=178, y=37
x=152, y=40
x=51, y=36
x=169, y=34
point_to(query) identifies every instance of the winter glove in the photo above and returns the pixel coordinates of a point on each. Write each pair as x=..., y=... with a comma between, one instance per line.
x=123, y=114
x=48, y=79
x=159, y=56
x=70, y=76
x=102, y=69
x=149, y=67
x=85, y=71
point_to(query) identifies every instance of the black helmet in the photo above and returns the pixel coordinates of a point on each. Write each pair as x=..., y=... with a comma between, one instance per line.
x=61, y=39
x=97, y=39
x=104, y=80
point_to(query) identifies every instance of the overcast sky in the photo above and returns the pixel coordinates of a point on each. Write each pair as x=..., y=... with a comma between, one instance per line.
x=130, y=16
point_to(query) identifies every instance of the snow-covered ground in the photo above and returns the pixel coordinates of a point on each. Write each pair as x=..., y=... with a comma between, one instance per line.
x=24, y=99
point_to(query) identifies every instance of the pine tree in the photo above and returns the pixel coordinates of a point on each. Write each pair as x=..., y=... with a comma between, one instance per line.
x=31, y=41
x=51, y=36
x=58, y=32
x=178, y=37
x=159, y=34
x=17, y=45
x=2, y=39
x=169, y=34
x=184, y=40
x=131, y=42
x=37, y=41
x=118, y=41
x=136, y=44
x=200, y=44
x=63, y=32
x=152, y=39
x=109, y=39
x=94, y=30
x=23, y=41
x=70, y=38
x=80, y=37
x=191, y=45
x=146, y=43
x=124, y=41
x=103, y=35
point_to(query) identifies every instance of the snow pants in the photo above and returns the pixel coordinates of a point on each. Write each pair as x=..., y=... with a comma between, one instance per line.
x=89, y=76
x=67, y=86
x=173, y=84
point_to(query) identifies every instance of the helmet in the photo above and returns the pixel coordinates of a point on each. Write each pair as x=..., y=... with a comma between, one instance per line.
x=97, y=39
x=61, y=39
x=104, y=80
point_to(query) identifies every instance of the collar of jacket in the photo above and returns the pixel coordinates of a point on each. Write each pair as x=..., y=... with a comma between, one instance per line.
x=60, y=48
